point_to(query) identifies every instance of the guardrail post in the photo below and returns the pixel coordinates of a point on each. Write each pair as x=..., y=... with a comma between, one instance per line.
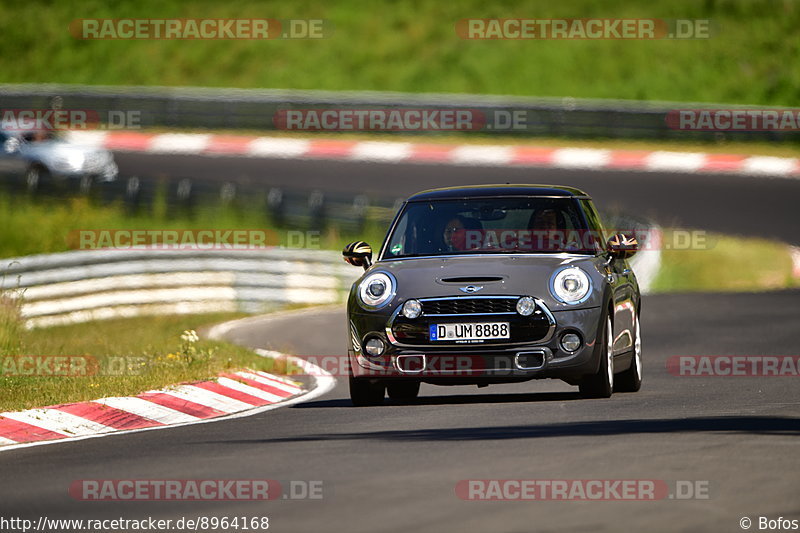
x=276, y=206
x=316, y=206
x=360, y=205
x=132, y=195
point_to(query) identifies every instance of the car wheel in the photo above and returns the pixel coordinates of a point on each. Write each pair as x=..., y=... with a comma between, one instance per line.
x=601, y=384
x=631, y=379
x=35, y=178
x=403, y=390
x=364, y=393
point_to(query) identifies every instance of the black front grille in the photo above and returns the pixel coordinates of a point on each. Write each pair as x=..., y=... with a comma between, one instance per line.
x=467, y=306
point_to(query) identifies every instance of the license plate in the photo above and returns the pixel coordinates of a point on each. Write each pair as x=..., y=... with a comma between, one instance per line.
x=469, y=332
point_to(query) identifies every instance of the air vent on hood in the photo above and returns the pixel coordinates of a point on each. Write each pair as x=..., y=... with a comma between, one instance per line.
x=472, y=279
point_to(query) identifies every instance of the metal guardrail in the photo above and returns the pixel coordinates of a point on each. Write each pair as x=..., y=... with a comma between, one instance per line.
x=81, y=286
x=255, y=109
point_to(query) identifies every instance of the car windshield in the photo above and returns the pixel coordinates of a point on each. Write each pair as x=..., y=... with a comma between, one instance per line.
x=492, y=225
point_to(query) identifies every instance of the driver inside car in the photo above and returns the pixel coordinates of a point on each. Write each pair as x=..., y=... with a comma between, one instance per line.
x=462, y=233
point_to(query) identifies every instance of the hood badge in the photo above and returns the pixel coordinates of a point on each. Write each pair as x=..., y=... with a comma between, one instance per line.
x=469, y=289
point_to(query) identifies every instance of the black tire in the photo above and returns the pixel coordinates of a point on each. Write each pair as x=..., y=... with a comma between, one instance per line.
x=631, y=379
x=364, y=393
x=601, y=384
x=403, y=391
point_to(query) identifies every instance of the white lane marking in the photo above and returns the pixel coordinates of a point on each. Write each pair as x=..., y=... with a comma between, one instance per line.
x=179, y=143
x=146, y=409
x=277, y=147
x=94, y=139
x=770, y=165
x=248, y=389
x=220, y=330
x=5, y=442
x=482, y=155
x=675, y=161
x=58, y=422
x=381, y=151
x=280, y=385
x=207, y=398
x=581, y=157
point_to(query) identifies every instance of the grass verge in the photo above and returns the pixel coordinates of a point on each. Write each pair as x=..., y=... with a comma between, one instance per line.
x=413, y=46
x=44, y=225
x=729, y=264
x=132, y=355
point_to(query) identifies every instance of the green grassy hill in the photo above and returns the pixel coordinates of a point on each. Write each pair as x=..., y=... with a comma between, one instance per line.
x=413, y=46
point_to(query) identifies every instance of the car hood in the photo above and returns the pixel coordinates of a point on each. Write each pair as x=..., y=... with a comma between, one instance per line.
x=518, y=275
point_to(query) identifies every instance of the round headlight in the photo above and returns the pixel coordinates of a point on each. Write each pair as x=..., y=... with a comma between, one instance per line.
x=526, y=306
x=412, y=309
x=374, y=346
x=570, y=342
x=376, y=290
x=571, y=285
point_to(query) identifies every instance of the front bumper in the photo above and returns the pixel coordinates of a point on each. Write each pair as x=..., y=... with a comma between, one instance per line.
x=515, y=359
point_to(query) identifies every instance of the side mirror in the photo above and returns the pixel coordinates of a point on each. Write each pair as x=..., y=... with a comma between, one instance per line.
x=358, y=254
x=11, y=146
x=621, y=246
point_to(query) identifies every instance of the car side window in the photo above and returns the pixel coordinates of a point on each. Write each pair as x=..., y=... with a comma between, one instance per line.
x=594, y=223
x=401, y=245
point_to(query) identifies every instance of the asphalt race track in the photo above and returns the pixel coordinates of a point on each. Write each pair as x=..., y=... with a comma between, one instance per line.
x=395, y=467
x=729, y=203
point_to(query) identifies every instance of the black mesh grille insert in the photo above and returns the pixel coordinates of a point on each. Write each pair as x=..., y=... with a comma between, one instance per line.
x=469, y=306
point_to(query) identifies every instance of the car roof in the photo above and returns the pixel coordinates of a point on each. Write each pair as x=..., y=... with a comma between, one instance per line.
x=488, y=191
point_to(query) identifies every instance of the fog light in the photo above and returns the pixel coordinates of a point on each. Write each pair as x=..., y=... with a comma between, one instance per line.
x=374, y=346
x=412, y=309
x=570, y=342
x=526, y=306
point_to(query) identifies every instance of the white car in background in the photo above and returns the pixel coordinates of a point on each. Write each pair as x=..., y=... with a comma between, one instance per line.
x=47, y=159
